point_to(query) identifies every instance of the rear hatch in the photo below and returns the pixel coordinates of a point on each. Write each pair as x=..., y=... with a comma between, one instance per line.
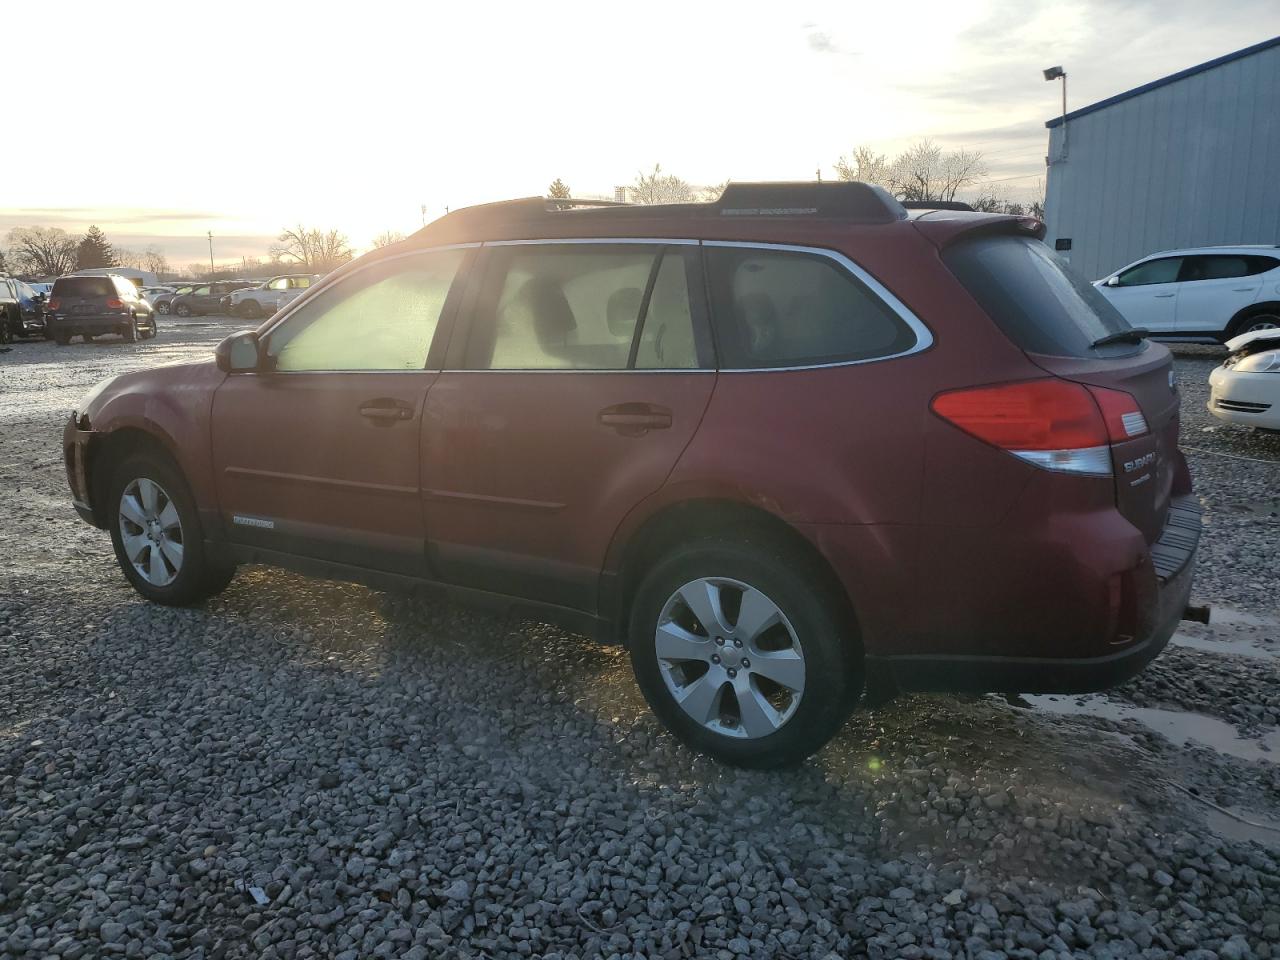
x=81, y=296
x=1056, y=317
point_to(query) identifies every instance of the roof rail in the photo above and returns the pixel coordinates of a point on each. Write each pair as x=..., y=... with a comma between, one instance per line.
x=849, y=201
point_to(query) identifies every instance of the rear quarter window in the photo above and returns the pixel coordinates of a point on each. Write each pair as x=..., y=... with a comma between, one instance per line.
x=1035, y=298
x=84, y=287
x=780, y=308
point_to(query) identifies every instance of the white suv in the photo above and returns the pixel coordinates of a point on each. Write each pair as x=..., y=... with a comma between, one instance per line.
x=253, y=303
x=1206, y=294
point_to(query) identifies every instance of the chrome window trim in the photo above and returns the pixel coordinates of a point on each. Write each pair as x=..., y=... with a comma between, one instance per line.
x=924, y=336
x=686, y=242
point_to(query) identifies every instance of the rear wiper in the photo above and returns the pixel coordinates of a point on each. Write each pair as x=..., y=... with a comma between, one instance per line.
x=1132, y=335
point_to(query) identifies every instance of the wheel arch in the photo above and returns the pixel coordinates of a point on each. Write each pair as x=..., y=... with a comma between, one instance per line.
x=106, y=450
x=1262, y=306
x=709, y=517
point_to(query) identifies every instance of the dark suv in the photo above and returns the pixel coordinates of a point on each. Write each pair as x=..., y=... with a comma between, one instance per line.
x=90, y=306
x=789, y=447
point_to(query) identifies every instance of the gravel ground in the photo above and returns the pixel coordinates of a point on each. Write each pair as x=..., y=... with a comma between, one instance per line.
x=306, y=769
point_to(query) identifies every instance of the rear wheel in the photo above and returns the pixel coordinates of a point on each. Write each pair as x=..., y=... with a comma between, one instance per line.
x=742, y=653
x=250, y=309
x=1266, y=318
x=130, y=332
x=6, y=335
x=163, y=307
x=61, y=339
x=157, y=536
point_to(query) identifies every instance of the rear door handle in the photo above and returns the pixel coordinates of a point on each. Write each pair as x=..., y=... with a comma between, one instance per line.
x=1161, y=296
x=386, y=410
x=634, y=419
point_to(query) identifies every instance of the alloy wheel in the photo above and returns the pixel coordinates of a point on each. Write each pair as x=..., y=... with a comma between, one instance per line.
x=1264, y=322
x=730, y=658
x=151, y=531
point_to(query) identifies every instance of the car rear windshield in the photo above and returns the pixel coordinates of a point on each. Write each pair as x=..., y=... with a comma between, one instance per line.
x=84, y=287
x=1039, y=302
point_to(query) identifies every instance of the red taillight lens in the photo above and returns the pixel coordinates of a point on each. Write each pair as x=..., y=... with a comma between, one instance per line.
x=115, y=303
x=1034, y=415
x=53, y=304
x=1121, y=413
x=1052, y=424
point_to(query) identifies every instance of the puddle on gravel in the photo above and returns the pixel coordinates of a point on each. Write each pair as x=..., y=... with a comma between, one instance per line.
x=1176, y=726
x=1232, y=632
x=1236, y=646
x=1262, y=829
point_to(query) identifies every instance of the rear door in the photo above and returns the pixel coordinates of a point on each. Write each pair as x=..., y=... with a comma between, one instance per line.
x=1215, y=287
x=1147, y=294
x=318, y=453
x=579, y=376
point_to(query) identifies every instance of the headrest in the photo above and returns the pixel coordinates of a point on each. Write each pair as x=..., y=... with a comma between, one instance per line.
x=623, y=310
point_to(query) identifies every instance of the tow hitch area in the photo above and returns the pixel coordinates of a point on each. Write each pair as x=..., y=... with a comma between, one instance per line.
x=1196, y=614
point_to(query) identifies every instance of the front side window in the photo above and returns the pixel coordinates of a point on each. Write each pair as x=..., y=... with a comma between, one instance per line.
x=583, y=307
x=380, y=318
x=784, y=308
x=1153, y=271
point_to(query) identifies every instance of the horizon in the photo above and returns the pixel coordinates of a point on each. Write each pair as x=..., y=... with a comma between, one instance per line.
x=406, y=124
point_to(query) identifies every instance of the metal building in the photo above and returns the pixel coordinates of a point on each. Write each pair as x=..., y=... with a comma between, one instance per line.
x=1185, y=161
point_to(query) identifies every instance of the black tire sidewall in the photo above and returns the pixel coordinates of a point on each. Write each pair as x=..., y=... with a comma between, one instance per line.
x=1242, y=325
x=194, y=580
x=833, y=668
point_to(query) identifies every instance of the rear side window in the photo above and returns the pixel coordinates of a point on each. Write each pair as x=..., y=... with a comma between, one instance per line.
x=1224, y=267
x=1035, y=298
x=84, y=287
x=583, y=307
x=777, y=308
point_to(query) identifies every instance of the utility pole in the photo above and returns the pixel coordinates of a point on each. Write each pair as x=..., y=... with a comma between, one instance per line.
x=210, y=254
x=423, y=209
x=819, y=174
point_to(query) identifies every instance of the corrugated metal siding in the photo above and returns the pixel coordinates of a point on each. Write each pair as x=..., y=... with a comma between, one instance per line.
x=1188, y=164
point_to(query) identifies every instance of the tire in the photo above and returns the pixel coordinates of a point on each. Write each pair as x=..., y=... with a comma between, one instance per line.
x=6, y=335
x=163, y=575
x=249, y=309
x=61, y=339
x=151, y=327
x=808, y=625
x=182, y=310
x=130, y=332
x=1266, y=318
x=163, y=307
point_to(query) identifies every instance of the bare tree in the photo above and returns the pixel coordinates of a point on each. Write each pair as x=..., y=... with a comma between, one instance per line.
x=1036, y=207
x=154, y=260
x=386, y=238
x=866, y=165
x=312, y=249
x=924, y=171
x=659, y=187
x=710, y=194
x=559, y=190
x=125, y=257
x=42, y=251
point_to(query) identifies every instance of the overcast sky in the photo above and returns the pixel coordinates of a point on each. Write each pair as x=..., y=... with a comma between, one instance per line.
x=160, y=121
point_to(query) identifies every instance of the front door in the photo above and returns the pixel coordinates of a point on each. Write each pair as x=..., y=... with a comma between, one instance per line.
x=1147, y=294
x=317, y=454
x=579, y=375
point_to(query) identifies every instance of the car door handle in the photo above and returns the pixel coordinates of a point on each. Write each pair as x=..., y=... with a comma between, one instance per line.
x=1243, y=289
x=1161, y=296
x=634, y=419
x=386, y=410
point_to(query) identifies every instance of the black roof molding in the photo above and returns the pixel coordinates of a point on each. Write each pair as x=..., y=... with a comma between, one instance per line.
x=1164, y=81
x=826, y=200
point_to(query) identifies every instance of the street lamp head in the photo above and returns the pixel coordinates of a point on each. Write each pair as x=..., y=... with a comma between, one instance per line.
x=1053, y=73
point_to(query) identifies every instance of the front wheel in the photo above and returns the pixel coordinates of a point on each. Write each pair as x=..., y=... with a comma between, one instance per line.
x=182, y=310
x=744, y=653
x=249, y=309
x=163, y=308
x=157, y=536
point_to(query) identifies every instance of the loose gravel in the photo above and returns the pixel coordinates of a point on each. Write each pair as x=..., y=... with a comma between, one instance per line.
x=307, y=769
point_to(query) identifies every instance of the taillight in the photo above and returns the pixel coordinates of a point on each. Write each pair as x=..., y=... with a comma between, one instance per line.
x=115, y=303
x=1053, y=424
x=53, y=304
x=1121, y=413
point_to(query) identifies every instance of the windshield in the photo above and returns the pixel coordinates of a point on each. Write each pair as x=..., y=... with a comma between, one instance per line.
x=1035, y=297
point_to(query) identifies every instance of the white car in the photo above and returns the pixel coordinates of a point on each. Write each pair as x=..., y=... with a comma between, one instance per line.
x=1205, y=294
x=1246, y=388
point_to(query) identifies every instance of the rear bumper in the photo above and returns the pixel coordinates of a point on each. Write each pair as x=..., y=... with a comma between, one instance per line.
x=1171, y=563
x=74, y=326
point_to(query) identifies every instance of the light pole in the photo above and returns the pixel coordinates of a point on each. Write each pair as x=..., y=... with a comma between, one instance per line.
x=1057, y=73
x=210, y=254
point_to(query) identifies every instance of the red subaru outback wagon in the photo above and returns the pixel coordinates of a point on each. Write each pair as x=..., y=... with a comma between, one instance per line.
x=794, y=448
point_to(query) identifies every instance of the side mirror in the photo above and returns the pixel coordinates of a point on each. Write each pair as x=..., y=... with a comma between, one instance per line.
x=1113, y=281
x=239, y=353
